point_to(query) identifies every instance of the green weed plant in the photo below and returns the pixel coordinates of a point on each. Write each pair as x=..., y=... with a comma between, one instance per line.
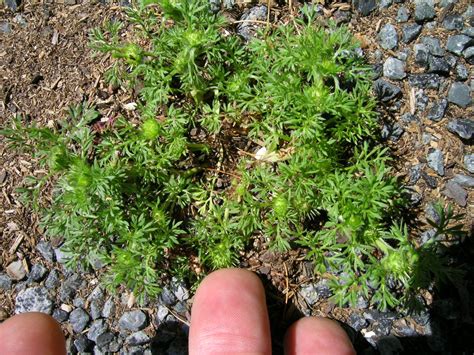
x=143, y=197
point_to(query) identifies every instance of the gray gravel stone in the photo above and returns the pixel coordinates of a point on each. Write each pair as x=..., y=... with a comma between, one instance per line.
x=5, y=27
x=79, y=319
x=414, y=174
x=388, y=37
x=385, y=4
x=60, y=256
x=97, y=328
x=16, y=270
x=138, y=338
x=95, y=309
x=392, y=131
x=456, y=192
x=37, y=273
x=52, y=281
x=421, y=100
x=430, y=180
x=309, y=294
x=410, y=32
x=403, y=14
x=256, y=13
x=133, y=321
x=457, y=43
x=60, y=315
x=229, y=4
x=12, y=4
x=365, y=7
x=463, y=127
x=5, y=282
x=161, y=314
x=469, y=31
x=461, y=72
x=34, y=299
x=453, y=22
x=424, y=11
x=167, y=297
x=421, y=53
x=82, y=344
x=435, y=160
x=433, y=44
x=69, y=288
x=96, y=294
x=79, y=302
x=426, y=236
x=468, y=54
x=459, y=94
x=109, y=308
x=46, y=251
x=463, y=180
x=424, y=81
x=437, y=110
x=430, y=213
x=105, y=339
x=357, y=321
x=438, y=65
x=386, y=91
x=394, y=69
x=469, y=162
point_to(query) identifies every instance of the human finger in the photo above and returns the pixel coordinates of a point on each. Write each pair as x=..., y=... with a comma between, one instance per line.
x=229, y=315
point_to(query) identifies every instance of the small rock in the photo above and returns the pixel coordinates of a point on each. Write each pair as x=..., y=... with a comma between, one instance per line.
x=410, y=32
x=161, y=314
x=469, y=31
x=392, y=132
x=5, y=28
x=424, y=81
x=83, y=344
x=409, y=118
x=79, y=319
x=97, y=328
x=357, y=322
x=96, y=294
x=438, y=65
x=414, y=174
x=323, y=289
x=463, y=180
x=403, y=15
x=403, y=54
x=421, y=100
x=95, y=309
x=427, y=236
x=415, y=198
x=52, y=281
x=456, y=192
x=451, y=60
x=215, y=6
x=394, y=69
x=181, y=293
x=468, y=54
x=386, y=91
x=457, y=43
x=257, y=13
x=138, y=338
x=446, y=3
x=229, y=4
x=12, y=4
x=459, y=94
x=309, y=294
x=421, y=54
x=433, y=44
x=388, y=37
x=167, y=297
x=341, y=16
x=385, y=4
x=16, y=270
x=424, y=11
x=109, y=308
x=79, y=302
x=60, y=256
x=469, y=162
x=437, y=110
x=430, y=180
x=34, y=299
x=365, y=7
x=453, y=22
x=60, y=315
x=461, y=72
x=69, y=288
x=180, y=307
x=463, y=127
x=436, y=161
x=37, y=273
x=46, y=251
x=133, y=321
x=431, y=213
x=389, y=345
x=104, y=339
x=5, y=282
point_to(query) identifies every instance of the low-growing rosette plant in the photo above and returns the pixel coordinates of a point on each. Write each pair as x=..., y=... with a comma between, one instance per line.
x=273, y=138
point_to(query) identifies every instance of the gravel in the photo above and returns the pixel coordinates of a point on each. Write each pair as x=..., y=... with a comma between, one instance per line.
x=456, y=192
x=385, y=90
x=52, y=281
x=388, y=37
x=37, y=273
x=464, y=180
x=410, y=32
x=463, y=127
x=138, y=338
x=453, y=22
x=394, y=68
x=5, y=282
x=133, y=321
x=79, y=319
x=433, y=45
x=34, y=299
x=83, y=344
x=438, y=65
x=46, y=251
x=403, y=14
x=97, y=328
x=437, y=110
x=424, y=11
x=457, y=43
x=459, y=94
x=469, y=162
x=60, y=315
x=424, y=81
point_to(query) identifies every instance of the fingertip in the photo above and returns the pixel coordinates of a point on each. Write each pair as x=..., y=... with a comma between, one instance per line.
x=316, y=335
x=229, y=315
x=31, y=333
